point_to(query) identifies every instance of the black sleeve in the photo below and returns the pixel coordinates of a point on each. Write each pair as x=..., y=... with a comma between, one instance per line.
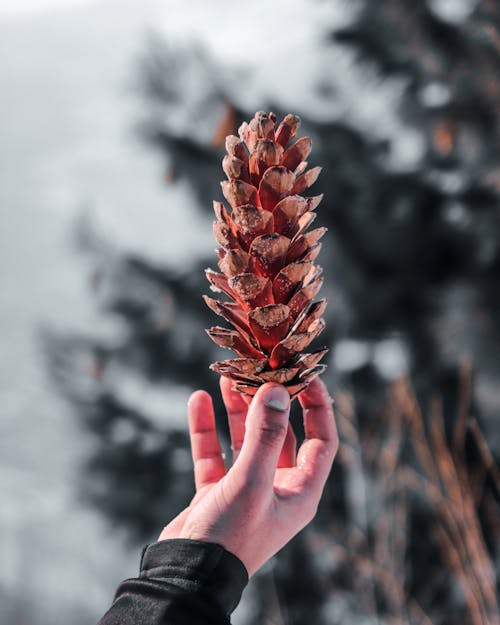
x=181, y=582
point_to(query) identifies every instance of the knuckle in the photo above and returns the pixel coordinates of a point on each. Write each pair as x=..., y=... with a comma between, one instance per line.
x=272, y=432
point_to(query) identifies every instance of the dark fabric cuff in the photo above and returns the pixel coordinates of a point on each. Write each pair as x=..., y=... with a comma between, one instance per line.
x=205, y=568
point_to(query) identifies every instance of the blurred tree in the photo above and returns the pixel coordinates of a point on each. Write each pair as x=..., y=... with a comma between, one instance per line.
x=414, y=255
x=416, y=234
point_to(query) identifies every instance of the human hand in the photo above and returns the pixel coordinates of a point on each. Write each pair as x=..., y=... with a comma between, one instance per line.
x=271, y=491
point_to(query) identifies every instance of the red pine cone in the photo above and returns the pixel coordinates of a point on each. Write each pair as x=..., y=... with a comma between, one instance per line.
x=266, y=257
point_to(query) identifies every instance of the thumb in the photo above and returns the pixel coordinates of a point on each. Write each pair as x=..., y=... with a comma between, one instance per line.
x=265, y=431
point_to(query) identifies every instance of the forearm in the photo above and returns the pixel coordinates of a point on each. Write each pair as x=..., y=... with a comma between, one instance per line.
x=181, y=582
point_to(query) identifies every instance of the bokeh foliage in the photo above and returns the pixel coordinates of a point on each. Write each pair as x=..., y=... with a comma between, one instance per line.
x=408, y=530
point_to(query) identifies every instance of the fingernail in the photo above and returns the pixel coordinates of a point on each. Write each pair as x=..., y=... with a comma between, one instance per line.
x=276, y=398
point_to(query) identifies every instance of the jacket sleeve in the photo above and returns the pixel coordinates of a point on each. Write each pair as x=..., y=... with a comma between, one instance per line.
x=181, y=582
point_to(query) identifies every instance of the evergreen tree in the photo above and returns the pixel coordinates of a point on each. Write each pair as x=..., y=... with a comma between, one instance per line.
x=407, y=248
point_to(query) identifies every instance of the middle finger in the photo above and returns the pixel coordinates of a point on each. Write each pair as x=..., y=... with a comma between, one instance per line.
x=236, y=408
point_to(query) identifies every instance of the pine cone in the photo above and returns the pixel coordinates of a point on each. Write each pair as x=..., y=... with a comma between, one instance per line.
x=266, y=256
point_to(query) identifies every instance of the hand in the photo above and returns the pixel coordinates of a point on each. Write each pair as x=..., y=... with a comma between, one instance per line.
x=271, y=492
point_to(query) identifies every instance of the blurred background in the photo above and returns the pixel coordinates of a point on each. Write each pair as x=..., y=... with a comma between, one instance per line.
x=112, y=124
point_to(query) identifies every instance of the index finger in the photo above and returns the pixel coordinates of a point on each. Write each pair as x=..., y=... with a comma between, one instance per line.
x=316, y=454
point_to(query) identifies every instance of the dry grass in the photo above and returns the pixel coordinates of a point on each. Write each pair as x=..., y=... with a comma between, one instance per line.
x=382, y=482
x=454, y=493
